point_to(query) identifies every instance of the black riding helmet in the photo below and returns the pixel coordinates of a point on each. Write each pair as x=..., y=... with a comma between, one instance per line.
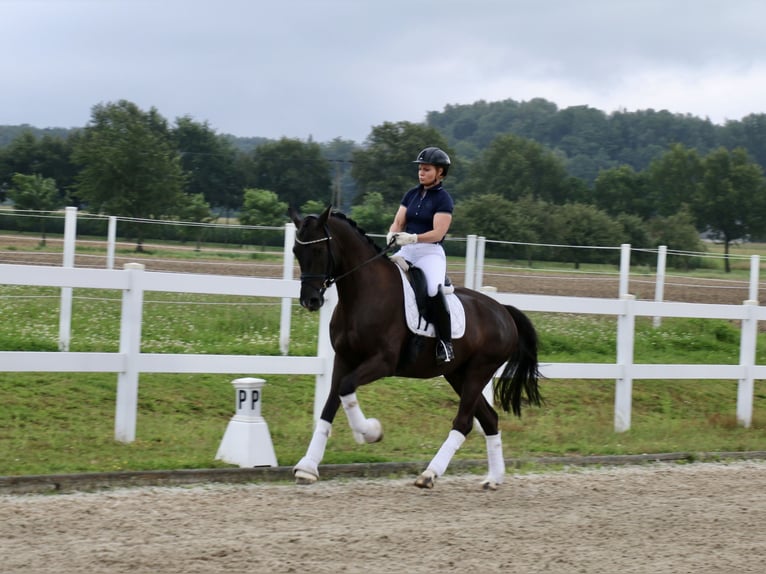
x=434, y=156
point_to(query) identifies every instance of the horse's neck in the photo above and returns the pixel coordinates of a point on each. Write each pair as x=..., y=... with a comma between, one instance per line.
x=365, y=286
x=366, y=269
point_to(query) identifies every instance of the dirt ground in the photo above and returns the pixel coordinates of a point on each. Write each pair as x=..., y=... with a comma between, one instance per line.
x=699, y=518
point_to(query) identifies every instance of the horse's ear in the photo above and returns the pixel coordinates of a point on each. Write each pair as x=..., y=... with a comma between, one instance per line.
x=295, y=216
x=325, y=215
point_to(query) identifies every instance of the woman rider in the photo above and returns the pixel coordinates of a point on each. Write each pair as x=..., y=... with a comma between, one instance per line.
x=419, y=227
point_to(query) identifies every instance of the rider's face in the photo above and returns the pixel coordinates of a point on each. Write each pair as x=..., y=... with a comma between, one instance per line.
x=428, y=174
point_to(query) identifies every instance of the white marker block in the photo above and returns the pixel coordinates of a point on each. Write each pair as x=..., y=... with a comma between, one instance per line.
x=247, y=441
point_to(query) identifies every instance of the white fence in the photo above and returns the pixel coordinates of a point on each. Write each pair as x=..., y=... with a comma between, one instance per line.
x=133, y=281
x=129, y=361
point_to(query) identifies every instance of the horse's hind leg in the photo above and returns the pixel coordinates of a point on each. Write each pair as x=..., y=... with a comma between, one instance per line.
x=470, y=398
x=487, y=417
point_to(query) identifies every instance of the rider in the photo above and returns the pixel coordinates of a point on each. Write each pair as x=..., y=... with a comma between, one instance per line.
x=419, y=227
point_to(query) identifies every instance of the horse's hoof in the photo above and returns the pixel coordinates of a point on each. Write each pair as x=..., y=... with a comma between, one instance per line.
x=374, y=433
x=426, y=480
x=304, y=477
x=488, y=484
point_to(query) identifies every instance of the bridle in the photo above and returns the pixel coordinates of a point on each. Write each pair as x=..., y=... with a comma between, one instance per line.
x=329, y=276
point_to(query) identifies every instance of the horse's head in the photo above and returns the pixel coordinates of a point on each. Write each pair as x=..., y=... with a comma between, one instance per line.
x=313, y=251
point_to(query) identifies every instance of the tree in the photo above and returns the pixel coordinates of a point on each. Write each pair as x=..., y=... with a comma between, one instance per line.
x=262, y=208
x=130, y=166
x=385, y=165
x=674, y=178
x=209, y=162
x=678, y=233
x=622, y=190
x=582, y=225
x=48, y=156
x=294, y=170
x=374, y=216
x=195, y=209
x=731, y=200
x=509, y=226
x=34, y=192
x=514, y=167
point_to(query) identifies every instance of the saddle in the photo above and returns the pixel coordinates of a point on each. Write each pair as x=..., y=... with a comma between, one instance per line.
x=417, y=280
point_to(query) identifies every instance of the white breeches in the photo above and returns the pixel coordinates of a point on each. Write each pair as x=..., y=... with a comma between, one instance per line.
x=430, y=257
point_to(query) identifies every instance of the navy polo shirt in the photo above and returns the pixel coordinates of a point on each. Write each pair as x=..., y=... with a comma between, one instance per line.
x=421, y=210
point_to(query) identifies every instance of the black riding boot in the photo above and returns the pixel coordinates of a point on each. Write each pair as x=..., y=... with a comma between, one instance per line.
x=440, y=317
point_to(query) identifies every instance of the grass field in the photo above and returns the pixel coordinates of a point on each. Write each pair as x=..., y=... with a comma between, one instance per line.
x=51, y=423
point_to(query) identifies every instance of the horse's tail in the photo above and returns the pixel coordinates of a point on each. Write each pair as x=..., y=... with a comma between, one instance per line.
x=521, y=372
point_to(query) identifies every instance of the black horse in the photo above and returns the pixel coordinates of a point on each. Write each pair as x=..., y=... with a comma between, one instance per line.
x=372, y=340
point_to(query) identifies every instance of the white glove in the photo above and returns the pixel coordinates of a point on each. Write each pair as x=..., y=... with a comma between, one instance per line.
x=390, y=237
x=405, y=238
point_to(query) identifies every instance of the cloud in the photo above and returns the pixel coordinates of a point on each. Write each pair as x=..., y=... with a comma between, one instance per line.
x=336, y=68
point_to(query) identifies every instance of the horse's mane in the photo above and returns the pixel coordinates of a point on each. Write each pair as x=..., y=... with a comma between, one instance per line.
x=353, y=224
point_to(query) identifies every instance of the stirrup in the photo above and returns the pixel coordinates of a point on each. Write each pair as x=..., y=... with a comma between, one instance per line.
x=444, y=352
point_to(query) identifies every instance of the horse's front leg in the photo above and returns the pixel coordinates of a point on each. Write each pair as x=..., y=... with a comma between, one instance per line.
x=364, y=429
x=307, y=469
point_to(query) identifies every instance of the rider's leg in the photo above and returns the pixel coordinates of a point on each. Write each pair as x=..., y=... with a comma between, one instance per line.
x=434, y=267
x=440, y=315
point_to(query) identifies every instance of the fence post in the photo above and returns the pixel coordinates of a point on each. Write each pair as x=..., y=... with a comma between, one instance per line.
x=325, y=351
x=479, y=281
x=111, y=241
x=755, y=269
x=659, y=286
x=745, y=387
x=130, y=347
x=626, y=323
x=624, y=269
x=470, y=261
x=65, y=313
x=287, y=302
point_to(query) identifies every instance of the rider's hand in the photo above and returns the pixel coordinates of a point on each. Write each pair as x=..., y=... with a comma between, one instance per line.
x=405, y=238
x=390, y=236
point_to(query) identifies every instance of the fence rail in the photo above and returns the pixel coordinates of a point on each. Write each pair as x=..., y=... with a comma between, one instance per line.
x=134, y=281
x=129, y=362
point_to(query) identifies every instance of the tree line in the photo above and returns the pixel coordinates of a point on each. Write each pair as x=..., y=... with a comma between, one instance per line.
x=507, y=186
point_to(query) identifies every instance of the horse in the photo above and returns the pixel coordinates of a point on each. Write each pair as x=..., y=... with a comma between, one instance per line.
x=371, y=339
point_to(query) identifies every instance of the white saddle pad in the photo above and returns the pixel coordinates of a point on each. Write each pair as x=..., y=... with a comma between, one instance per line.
x=418, y=324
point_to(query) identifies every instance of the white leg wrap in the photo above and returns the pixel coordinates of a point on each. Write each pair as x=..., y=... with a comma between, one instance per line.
x=495, y=459
x=356, y=418
x=439, y=463
x=315, y=452
x=364, y=429
x=308, y=466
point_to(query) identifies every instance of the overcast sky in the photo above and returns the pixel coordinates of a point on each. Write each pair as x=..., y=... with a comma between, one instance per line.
x=337, y=68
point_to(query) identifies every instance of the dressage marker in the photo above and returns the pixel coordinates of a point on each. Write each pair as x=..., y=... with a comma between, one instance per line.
x=247, y=441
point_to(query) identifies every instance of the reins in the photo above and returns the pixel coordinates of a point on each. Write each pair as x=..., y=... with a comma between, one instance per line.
x=329, y=276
